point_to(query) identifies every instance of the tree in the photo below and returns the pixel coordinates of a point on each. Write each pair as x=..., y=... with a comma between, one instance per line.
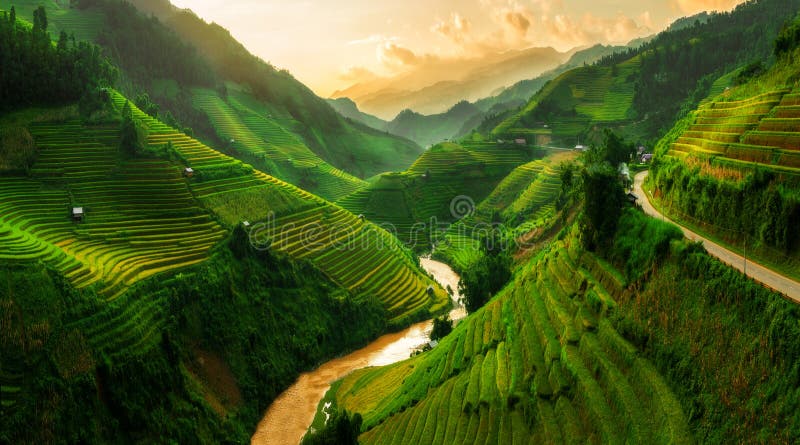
x=486, y=276
x=340, y=429
x=441, y=327
x=603, y=201
x=13, y=17
x=129, y=135
x=40, y=19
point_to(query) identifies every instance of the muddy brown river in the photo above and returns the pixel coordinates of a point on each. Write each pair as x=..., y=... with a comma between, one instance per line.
x=288, y=418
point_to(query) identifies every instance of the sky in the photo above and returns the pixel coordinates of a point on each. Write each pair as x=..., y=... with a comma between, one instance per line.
x=332, y=44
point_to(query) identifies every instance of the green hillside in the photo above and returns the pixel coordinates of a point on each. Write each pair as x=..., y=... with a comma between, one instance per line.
x=259, y=135
x=642, y=91
x=522, y=202
x=568, y=105
x=349, y=109
x=142, y=217
x=302, y=225
x=424, y=193
x=574, y=351
x=732, y=167
x=432, y=129
x=85, y=25
x=346, y=145
x=145, y=49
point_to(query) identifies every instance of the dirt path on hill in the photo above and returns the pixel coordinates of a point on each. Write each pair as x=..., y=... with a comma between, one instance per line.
x=288, y=418
x=765, y=276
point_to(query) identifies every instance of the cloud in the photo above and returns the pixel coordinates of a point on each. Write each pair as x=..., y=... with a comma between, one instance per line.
x=395, y=56
x=457, y=28
x=588, y=29
x=695, y=6
x=356, y=74
x=517, y=21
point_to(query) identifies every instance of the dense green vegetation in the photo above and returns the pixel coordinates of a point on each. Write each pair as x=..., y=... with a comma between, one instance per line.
x=145, y=48
x=37, y=72
x=189, y=357
x=340, y=429
x=523, y=206
x=731, y=167
x=220, y=331
x=575, y=350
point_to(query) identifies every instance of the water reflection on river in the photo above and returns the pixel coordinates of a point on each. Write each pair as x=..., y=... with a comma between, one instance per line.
x=290, y=415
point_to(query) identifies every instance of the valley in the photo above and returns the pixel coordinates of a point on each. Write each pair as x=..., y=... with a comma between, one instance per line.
x=291, y=414
x=558, y=239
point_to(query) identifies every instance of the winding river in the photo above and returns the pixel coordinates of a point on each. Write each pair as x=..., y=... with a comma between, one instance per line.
x=290, y=415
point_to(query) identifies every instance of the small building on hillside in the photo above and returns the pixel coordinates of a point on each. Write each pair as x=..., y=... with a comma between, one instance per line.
x=430, y=290
x=646, y=158
x=580, y=147
x=632, y=198
x=520, y=141
x=188, y=172
x=361, y=217
x=77, y=214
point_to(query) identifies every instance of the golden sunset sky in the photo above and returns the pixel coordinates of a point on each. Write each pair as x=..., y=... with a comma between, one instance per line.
x=332, y=44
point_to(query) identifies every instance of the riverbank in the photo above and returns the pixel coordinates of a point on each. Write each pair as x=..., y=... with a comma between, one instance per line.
x=288, y=418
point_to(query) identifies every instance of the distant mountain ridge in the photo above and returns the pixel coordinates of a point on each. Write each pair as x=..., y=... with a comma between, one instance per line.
x=464, y=116
x=435, y=89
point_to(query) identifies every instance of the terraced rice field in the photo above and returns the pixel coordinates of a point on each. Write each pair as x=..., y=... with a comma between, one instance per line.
x=352, y=252
x=741, y=135
x=141, y=218
x=257, y=134
x=540, y=363
x=584, y=96
x=527, y=194
x=425, y=191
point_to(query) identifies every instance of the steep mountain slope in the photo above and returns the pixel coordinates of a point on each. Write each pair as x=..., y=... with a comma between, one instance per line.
x=345, y=145
x=573, y=102
x=574, y=351
x=427, y=196
x=302, y=225
x=732, y=167
x=649, y=85
x=522, y=91
x=523, y=204
x=434, y=128
x=210, y=58
x=257, y=132
x=349, y=109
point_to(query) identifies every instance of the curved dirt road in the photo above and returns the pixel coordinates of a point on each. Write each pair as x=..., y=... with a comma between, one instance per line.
x=769, y=278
